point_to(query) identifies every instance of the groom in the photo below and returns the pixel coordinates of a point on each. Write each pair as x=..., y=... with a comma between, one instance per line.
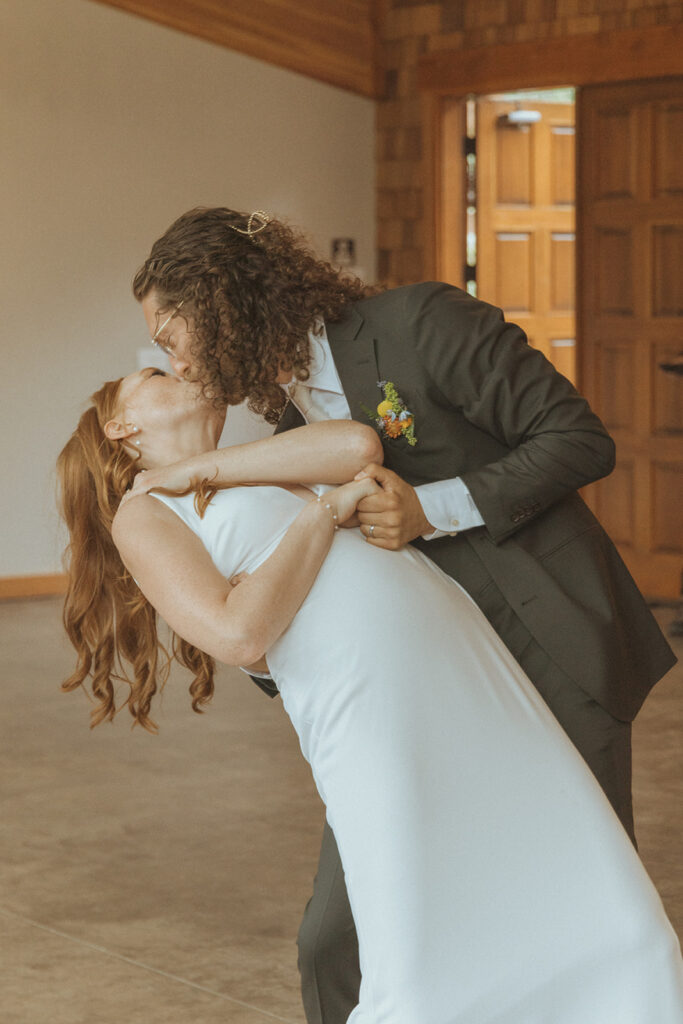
x=485, y=447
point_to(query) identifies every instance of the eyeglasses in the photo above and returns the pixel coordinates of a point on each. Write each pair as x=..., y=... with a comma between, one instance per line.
x=155, y=336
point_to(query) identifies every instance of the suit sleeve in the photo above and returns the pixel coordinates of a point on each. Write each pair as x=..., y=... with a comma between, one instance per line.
x=485, y=368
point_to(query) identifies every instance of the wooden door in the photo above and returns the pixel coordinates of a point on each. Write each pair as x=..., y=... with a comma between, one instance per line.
x=630, y=304
x=525, y=223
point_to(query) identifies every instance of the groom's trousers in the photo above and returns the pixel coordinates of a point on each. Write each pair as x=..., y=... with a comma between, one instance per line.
x=328, y=947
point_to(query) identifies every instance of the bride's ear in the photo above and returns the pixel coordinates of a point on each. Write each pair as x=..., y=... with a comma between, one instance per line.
x=114, y=430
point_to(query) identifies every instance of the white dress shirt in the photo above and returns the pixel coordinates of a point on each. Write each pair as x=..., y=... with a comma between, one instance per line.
x=447, y=504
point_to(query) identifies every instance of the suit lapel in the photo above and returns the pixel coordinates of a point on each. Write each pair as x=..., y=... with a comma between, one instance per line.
x=355, y=357
x=354, y=351
x=291, y=417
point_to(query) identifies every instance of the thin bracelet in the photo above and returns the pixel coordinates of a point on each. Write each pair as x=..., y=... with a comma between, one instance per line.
x=319, y=500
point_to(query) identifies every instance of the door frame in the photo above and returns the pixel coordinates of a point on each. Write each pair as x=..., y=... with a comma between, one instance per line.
x=446, y=78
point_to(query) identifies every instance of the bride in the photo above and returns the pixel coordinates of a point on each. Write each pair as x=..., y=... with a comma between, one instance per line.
x=489, y=878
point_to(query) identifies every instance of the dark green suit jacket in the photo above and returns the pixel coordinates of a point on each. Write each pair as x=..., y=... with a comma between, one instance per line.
x=493, y=410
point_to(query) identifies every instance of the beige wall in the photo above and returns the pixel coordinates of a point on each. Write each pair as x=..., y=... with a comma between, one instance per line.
x=111, y=127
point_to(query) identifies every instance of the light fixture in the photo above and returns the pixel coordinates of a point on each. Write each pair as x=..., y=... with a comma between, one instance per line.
x=519, y=117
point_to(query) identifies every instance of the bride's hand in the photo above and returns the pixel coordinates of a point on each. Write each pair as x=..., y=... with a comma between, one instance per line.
x=345, y=499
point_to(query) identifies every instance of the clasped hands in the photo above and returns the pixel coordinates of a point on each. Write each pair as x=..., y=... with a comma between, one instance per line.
x=386, y=508
x=392, y=515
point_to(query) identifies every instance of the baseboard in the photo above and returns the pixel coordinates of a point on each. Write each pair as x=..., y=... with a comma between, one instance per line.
x=32, y=586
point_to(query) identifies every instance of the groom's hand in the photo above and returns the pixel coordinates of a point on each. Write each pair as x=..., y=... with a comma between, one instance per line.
x=393, y=516
x=176, y=477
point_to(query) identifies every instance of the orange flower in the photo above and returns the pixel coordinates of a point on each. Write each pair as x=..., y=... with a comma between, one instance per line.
x=393, y=428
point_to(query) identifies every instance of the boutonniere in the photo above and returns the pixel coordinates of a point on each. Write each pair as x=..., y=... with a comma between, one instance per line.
x=392, y=418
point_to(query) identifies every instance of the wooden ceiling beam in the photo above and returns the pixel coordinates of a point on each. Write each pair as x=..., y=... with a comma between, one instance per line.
x=330, y=41
x=572, y=60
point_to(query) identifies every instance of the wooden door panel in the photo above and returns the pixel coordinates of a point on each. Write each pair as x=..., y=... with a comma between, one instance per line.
x=514, y=255
x=667, y=502
x=630, y=229
x=615, y=143
x=514, y=166
x=562, y=164
x=618, y=387
x=667, y=406
x=613, y=265
x=525, y=223
x=667, y=270
x=562, y=284
x=668, y=168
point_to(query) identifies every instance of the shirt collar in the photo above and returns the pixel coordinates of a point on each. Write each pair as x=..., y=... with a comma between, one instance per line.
x=323, y=374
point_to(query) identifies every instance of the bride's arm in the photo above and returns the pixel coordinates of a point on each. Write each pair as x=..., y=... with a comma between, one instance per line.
x=238, y=624
x=329, y=452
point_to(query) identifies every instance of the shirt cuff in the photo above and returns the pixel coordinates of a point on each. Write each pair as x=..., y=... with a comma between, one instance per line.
x=449, y=506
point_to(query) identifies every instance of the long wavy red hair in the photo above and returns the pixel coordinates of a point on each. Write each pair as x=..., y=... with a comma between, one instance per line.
x=109, y=621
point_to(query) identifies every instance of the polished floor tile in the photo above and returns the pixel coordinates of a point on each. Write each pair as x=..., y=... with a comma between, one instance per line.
x=48, y=977
x=161, y=879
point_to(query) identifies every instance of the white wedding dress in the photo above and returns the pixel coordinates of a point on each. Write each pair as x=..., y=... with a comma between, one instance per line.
x=489, y=878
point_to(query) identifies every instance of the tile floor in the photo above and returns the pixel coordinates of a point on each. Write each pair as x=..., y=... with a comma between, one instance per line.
x=160, y=880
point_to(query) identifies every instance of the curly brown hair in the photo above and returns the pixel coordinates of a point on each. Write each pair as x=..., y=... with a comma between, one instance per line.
x=106, y=616
x=249, y=300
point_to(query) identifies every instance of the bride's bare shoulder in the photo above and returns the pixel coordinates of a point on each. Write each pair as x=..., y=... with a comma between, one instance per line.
x=140, y=513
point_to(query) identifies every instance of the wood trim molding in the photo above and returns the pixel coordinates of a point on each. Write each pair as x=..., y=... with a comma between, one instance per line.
x=431, y=140
x=572, y=60
x=449, y=205
x=325, y=40
x=32, y=586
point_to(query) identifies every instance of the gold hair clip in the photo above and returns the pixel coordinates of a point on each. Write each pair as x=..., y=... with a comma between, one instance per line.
x=261, y=217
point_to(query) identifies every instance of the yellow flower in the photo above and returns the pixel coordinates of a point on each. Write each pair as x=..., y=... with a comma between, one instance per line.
x=383, y=408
